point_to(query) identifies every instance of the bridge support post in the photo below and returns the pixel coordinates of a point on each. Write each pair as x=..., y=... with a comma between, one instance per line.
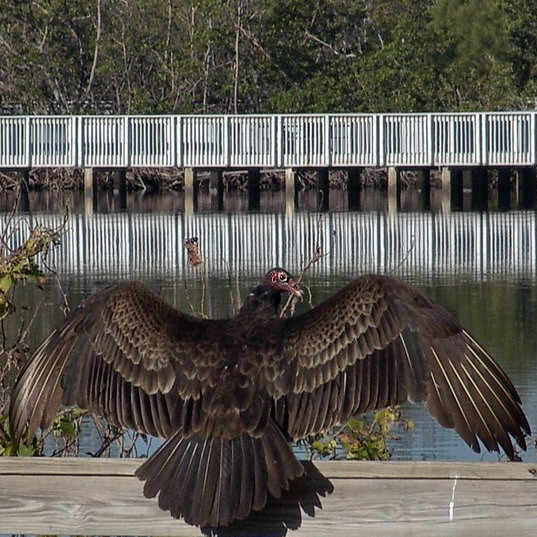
x=254, y=186
x=466, y=184
x=457, y=190
x=323, y=189
x=354, y=188
x=291, y=198
x=504, y=188
x=445, y=193
x=426, y=189
x=24, y=198
x=90, y=191
x=216, y=190
x=480, y=193
x=190, y=190
x=120, y=188
x=527, y=187
x=394, y=192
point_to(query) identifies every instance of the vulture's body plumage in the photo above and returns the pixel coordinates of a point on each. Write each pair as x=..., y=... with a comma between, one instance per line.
x=229, y=394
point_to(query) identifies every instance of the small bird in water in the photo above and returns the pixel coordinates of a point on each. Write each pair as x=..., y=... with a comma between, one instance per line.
x=230, y=394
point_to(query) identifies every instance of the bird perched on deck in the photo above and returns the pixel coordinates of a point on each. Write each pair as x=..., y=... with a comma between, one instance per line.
x=229, y=394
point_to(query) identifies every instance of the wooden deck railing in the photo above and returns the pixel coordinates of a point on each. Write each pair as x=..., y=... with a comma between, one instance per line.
x=103, y=497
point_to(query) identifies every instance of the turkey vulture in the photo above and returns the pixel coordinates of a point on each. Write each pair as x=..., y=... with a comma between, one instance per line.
x=230, y=394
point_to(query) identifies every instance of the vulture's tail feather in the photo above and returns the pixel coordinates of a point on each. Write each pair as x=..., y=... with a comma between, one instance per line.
x=214, y=481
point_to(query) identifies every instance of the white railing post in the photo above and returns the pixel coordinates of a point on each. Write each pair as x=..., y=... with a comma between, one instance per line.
x=430, y=140
x=226, y=149
x=172, y=140
x=185, y=149
x=279, y=141
x=126, y=157
x=483, y=142
x=273, y=141
x=328, y=140
x=380, y=154
x=478, y=139
x=78, y=142
x=28, y=143
x=179, y=145
x=532, y=138
x=72, y=141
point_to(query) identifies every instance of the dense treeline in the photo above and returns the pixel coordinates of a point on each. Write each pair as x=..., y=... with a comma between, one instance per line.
x=196, y=56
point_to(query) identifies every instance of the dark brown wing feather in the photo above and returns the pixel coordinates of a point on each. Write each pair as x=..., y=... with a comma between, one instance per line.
x=379, y=342
x=125, y=354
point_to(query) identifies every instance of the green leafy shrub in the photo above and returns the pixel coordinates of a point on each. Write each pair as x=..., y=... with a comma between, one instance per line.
x=17, y=266
x=361, y=438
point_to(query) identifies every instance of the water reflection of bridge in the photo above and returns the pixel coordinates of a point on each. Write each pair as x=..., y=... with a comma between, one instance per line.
x=486, y=244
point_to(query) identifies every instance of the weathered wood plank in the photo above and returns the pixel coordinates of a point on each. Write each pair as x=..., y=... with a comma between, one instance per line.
x=330, y=469
x=102, y=497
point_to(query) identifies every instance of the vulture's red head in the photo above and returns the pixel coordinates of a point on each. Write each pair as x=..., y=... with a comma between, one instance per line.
x=280, y=280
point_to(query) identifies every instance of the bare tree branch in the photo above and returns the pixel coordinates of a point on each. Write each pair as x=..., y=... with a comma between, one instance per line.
x=96, y=50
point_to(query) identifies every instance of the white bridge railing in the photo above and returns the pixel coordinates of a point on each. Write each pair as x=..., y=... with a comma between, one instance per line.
x=306, y=140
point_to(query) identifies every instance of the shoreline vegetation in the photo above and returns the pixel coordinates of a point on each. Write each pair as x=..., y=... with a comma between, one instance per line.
x=151, y=180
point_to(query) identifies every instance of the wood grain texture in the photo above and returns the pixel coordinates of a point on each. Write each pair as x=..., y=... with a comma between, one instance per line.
x=102, y=497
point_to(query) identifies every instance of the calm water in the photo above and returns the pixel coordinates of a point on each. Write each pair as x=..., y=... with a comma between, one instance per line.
x=481, y=267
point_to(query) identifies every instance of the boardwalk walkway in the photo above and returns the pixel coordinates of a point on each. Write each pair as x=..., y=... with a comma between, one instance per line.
x=270, y=141
x=471, y=143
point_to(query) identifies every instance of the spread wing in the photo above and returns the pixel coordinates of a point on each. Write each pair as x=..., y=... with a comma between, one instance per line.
x=125, y=354
x=379, y=342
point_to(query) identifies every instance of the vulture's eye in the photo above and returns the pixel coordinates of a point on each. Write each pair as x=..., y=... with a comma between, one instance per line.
x=282, y=276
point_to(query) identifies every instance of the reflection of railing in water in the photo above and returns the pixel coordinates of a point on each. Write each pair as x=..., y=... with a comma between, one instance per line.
x=130, y=244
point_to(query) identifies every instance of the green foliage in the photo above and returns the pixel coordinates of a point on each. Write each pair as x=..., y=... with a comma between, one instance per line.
x=65, y=429
x=521, y=29
x=473, y=58
x=473, y=31
x=361, y=438
x=9, y=447
x=213, y=56
x=12, y=271
x=66, y=424
x=18, y=266
x=43, y=58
